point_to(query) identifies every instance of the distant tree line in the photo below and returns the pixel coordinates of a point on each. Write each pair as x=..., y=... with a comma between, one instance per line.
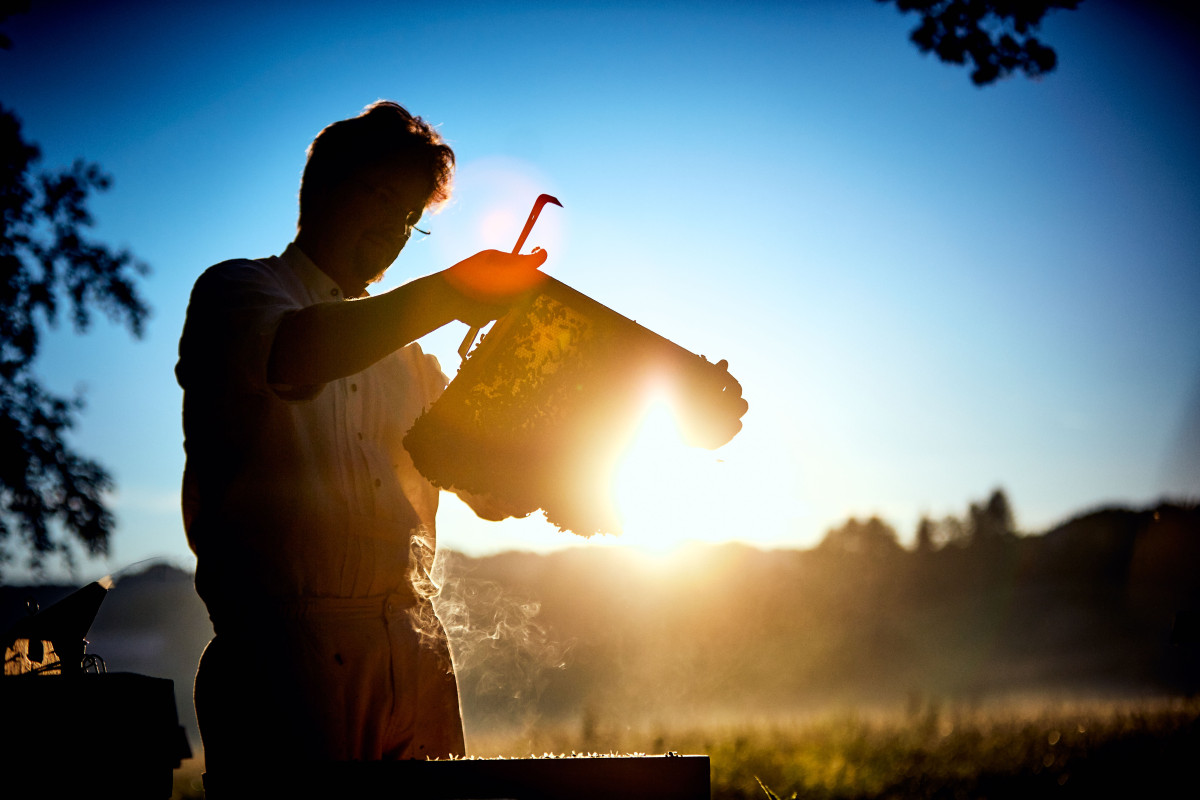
x=985, y=524
x=973, y=610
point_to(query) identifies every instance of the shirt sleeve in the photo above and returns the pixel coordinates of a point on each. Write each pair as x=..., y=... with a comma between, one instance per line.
x=234, y=312
x=434, y=380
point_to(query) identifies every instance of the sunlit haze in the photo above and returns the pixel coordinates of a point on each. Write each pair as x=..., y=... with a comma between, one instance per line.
x=927, y=290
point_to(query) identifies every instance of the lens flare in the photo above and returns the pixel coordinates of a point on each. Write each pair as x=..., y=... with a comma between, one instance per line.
x=665, y=491
x=491, y=200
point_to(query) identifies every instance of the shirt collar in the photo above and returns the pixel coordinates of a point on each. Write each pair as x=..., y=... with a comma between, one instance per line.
x=317, y=282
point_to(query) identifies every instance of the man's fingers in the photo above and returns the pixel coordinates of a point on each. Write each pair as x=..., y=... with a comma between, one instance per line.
x=496, y=277
x=711, y=406
x=537, y=257
x=729, y=386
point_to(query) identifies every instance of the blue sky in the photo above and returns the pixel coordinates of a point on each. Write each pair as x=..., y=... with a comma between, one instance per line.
x=928, y=290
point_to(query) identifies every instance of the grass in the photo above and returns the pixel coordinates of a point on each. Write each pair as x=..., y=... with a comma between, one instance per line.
x=1101, y=751
x=1146, y=748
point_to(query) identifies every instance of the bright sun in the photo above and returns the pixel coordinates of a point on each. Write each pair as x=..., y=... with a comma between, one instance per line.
x=668, y=494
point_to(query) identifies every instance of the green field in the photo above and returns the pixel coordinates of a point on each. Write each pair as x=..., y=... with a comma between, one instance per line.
x=1146, y=748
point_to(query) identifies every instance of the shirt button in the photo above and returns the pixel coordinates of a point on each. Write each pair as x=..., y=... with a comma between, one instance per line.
x=378, y=482
x=360, y=436
x=354, y=387
x=388, y=608
x=333, y=292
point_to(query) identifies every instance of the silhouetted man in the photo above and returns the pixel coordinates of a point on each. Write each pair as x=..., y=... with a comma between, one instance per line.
x=312, y=529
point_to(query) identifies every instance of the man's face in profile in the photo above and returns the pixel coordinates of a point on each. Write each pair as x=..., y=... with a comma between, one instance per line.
x=375, y=211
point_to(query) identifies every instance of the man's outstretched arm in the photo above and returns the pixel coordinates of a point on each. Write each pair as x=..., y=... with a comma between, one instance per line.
x=327, y=341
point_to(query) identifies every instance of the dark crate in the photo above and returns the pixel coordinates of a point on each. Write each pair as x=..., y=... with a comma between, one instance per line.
x=112, y=735
x=668, y=777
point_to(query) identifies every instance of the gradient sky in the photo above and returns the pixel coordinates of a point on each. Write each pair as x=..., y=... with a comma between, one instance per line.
x=928, y=290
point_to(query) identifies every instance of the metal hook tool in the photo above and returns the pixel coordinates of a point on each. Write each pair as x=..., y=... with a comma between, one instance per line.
x=542, y=200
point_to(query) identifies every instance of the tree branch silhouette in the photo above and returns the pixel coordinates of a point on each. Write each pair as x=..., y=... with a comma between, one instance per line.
x=997, y=37
x=47, y=262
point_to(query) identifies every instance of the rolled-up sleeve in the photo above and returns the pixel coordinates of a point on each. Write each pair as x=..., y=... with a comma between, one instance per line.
x=235, y=309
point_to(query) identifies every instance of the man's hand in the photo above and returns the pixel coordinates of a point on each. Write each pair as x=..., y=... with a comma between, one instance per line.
x=489, y=282
x=711, y=406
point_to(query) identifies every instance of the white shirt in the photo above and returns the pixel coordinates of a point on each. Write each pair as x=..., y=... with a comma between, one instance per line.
x=288, y=491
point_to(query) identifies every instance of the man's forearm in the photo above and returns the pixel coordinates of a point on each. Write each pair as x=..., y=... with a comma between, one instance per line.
x=328, y=341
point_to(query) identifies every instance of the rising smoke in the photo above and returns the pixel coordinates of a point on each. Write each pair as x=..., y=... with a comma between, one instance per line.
x=502, y=652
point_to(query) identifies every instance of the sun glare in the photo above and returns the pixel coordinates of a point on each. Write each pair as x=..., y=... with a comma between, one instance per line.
x=667, y=493
x=492, y=198
x=497, y=223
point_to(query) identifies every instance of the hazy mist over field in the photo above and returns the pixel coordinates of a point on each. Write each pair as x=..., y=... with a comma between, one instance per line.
x=616, y=639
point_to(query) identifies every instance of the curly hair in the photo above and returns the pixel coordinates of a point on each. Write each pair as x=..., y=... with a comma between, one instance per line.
x=383, y=131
